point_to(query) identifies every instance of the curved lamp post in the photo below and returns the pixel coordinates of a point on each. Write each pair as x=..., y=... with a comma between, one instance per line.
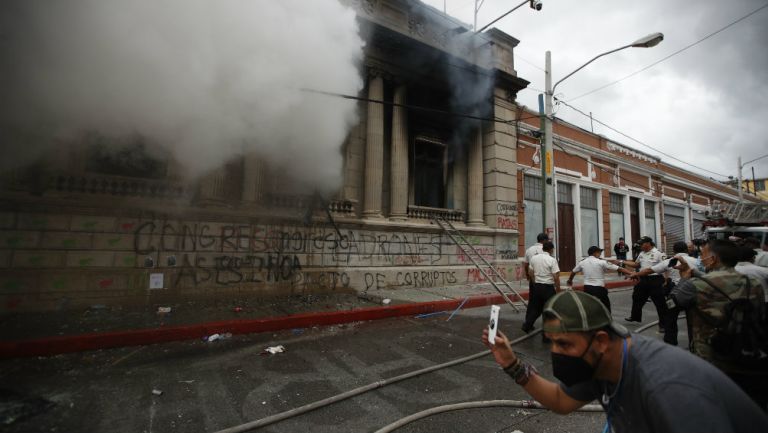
x=548, y=196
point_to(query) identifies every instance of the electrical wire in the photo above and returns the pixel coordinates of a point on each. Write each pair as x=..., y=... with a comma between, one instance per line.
x=559, y=101
x=419, y=108
x=671, y=55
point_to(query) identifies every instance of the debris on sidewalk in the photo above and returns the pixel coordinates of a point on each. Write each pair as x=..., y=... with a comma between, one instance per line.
x=214, y=337
x=386, y=301
x=157, y=392
x=297, y=331
x=273, y=350
x=163, y=310
x=238, y=309
x=421, y=316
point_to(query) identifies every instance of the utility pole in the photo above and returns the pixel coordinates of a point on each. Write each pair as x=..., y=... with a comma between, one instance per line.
x=548, y=196
x=741, y=194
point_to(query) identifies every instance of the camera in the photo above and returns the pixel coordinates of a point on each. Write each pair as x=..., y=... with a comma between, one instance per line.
x=536, y=4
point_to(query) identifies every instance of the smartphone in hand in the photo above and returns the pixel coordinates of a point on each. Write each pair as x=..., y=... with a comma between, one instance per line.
x=493, y=324
x=673, y=262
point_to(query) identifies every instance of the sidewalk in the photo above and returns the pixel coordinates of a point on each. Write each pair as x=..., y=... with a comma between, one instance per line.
x=42, y=334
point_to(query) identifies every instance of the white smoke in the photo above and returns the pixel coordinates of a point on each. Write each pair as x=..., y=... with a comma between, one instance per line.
x=206, y=79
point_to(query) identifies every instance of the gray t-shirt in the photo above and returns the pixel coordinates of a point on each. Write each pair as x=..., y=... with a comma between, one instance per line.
x=666, y=389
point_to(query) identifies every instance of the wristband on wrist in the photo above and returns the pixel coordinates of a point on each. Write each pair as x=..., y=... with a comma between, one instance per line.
x=521, y=372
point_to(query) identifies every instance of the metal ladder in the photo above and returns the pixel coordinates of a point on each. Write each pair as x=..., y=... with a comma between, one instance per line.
x=742, y=213
x=472, y=253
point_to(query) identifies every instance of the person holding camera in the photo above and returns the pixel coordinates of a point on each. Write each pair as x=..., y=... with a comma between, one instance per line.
x=643, y=384
x=709, y=301
x=621, y=249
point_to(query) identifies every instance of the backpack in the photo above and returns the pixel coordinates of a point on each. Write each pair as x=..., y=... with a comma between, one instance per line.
x=741, y=337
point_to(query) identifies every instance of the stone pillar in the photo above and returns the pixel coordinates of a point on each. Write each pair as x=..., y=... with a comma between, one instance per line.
x=475, y=179
x=253, y=179
x=399, y=163
x=374, y=148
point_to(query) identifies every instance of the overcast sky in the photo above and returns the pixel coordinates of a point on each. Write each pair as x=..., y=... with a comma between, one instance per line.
x=706, y=105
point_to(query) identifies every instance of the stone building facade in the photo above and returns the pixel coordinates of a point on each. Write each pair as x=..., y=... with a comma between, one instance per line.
x=91, y=229
x=439, y=135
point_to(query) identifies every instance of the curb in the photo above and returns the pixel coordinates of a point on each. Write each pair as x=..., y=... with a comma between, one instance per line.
x=105, y=340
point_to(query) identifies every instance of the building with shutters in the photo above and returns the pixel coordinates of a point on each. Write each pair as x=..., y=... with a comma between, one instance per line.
x=607, y=190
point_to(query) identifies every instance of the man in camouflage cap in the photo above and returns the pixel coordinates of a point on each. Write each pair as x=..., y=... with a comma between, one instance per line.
x=644, y=384
x=705, y=300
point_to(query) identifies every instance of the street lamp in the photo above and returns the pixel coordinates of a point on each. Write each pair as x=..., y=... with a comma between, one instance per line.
x=548, y=196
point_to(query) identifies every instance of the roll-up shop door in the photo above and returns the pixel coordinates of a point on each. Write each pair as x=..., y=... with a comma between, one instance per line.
x=698, y=223
x=674, y=225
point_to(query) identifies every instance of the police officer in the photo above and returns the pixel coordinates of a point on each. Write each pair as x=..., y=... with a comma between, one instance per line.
x=594, y=274
x=544, y=273
x=648, y=285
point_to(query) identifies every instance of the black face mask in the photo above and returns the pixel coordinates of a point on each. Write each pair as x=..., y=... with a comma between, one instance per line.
x=574, y=369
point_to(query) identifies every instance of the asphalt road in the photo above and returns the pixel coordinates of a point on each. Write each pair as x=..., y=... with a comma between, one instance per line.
x=208, y=387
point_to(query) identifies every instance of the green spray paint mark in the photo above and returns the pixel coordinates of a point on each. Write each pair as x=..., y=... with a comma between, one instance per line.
x=11, y=285
x=89, y=224
x=14, y=241
x=59, y=284
x=36, y=260
x=69, y=243
x=86, y=262
x=473, y=240
x=113, y=242
x=129, y=260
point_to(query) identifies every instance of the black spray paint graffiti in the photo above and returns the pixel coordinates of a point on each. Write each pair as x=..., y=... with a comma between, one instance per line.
x=379, y=281
x=397, y=248
x=228, y=270
x=272, y=268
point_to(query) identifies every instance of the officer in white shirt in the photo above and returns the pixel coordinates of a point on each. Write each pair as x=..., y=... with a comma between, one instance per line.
x=593, y=268
x=533, y=250
x=668, y=267
x=544, y=274
x=649, y=285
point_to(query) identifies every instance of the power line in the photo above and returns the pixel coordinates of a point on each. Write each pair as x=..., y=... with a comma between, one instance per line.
x=753, y=160
x=419, y=108
x=671, y=55
x=592, y=163
x=638, y=141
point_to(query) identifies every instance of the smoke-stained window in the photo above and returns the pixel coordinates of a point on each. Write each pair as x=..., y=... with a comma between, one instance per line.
x=133, y=156
x=429, y=173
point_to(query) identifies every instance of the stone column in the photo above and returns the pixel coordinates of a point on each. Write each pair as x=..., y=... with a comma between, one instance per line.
x=475, y=179
x=253, y=179
x=399, y=163
x=374, y=148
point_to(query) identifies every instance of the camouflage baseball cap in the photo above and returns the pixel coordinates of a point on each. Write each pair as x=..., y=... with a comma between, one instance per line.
x=579, y=312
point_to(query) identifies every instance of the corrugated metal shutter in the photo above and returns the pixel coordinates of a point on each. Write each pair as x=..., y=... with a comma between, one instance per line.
x=698, y=221
x=674, y=226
